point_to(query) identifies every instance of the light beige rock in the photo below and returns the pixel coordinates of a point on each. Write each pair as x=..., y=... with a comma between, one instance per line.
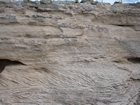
x=75, y=54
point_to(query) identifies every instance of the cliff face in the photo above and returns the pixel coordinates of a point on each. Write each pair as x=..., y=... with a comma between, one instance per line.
x=71, y=54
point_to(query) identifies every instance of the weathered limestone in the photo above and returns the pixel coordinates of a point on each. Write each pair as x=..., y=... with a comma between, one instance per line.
x=74, y=54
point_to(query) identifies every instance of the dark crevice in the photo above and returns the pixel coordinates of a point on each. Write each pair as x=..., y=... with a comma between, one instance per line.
x=42, y=69
x=7, y=62
x=135, y=79
x=134, y=59
x=126, y=25
x=119, y=61
x=123, y=25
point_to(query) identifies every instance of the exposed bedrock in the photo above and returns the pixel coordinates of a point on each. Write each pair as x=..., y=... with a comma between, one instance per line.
x=69, y=54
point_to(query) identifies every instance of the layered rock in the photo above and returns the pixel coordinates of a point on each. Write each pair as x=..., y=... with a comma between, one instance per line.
x=79, y=54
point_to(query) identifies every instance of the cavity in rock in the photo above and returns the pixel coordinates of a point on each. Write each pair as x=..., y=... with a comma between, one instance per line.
x=7, y=62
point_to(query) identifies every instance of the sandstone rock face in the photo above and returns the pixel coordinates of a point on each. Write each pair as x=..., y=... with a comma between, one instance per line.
x=73, y=54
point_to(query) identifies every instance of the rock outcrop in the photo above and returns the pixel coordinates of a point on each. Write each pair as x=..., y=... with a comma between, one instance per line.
x=73, y=54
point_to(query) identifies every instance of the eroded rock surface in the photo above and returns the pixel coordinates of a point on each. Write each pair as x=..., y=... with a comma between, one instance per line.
x=73, y=54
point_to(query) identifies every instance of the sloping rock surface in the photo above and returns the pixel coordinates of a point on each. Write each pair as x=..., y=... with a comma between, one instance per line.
x=73, y=54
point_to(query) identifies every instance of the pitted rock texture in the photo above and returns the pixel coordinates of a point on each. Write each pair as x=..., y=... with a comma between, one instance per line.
x=74, y=54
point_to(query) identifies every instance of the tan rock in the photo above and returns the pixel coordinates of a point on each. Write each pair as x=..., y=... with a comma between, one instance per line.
x=74, y=54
